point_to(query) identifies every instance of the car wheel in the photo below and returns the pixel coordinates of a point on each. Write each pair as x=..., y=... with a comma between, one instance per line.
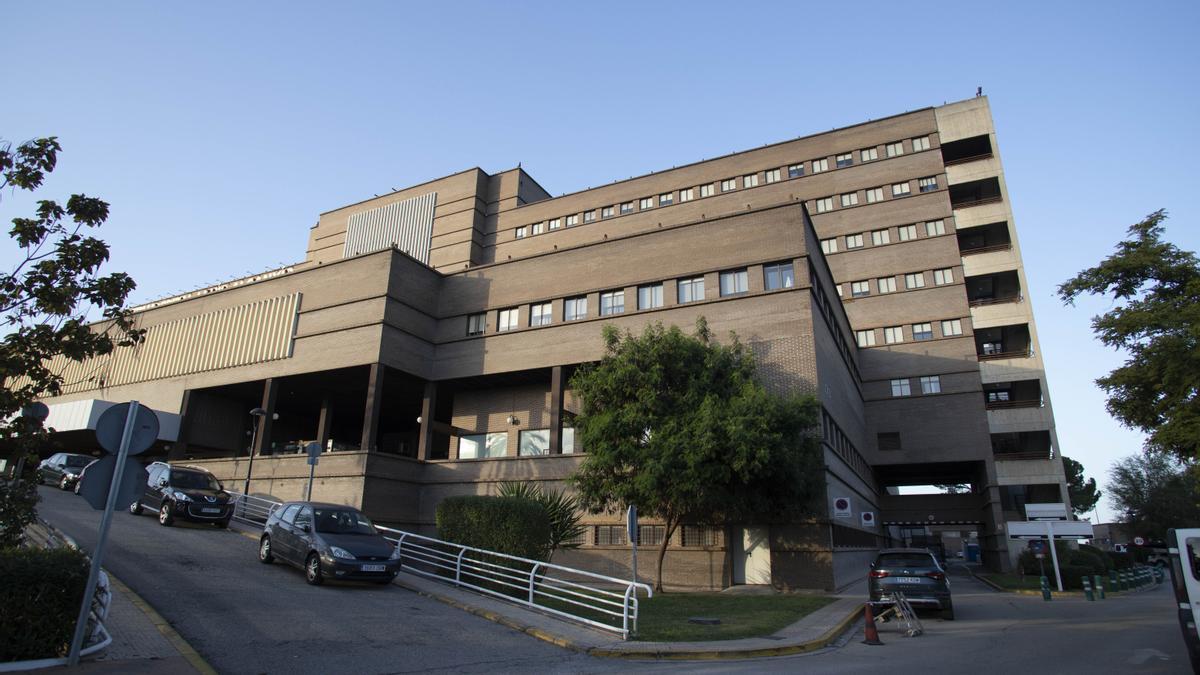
x=165, y=516
x=312, y=570
x=948, y=612
x=63, y=484
x=136, y=508
x=264, y=550
x=222, y=524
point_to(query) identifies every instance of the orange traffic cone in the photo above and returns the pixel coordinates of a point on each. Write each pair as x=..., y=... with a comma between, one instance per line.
x=872, y=635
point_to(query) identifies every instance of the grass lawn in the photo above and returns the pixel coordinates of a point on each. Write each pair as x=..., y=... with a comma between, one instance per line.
x=665, y=616
x=1014, y=581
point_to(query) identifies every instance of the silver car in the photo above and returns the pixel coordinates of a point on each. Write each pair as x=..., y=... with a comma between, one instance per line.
x=914, y=572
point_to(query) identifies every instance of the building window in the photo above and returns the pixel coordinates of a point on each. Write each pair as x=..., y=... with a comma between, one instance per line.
x=865, y=338
x=907, y=232
x=795, y=170
x=691, y=290
x=934, y=228
x=572, y=221
x=554, y=224
x=728, y=184
x=844, y=160
x=880, y=237
x=568, y=441
x=943, y=277
x=533, y=442
x=900, y=190
x=687, y=194
x=828, y=246
x=538, y=228
x=771, y=176
x=606, y=212
x=650, y=297
x=819, y=165
x=901, y=388
x=824, y=205
x=893, y=335
x=874, y=195
x=626, y=207
x=522, y=232
x=778, y=276
x=859, y=289
x=750, y=181
x=931, y=384
x=951, y=327
x=612, y=302
x=667, y=199
x=700, y=535
x=707, y=190
x=611, y=535
x=476, y=323
x=895, y=149
x=922, y=332
x=921, y=143
x=646, y=203
x=889, y=441
x=479, y=446
x=575, y=309
x=508, y=320
x=838, y=290
x=886, y=284
x=734, y=282
x=539, y=314
x=927, y=184
x=914, y=280
x=589, y=216
x=850, y=199
x=868, y=154
x=854, y=241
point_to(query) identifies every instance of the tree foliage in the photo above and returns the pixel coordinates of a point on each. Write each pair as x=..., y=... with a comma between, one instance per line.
x=1154, y=493
x=1157, y=323
x=560, y=507
x=1082, y=493
x=678, y=426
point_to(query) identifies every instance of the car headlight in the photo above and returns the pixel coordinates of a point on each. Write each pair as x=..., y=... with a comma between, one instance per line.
x=395, y=554
x=180, y=497
x=70, y=476
x=342, y=553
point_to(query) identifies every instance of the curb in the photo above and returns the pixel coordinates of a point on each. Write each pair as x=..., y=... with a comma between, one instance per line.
x=1029, y=591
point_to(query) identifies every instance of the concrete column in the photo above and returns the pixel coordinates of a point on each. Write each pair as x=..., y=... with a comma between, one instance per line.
x=180, y=446
x=325, y=422
x=262, y=438
x=556, y=407
x=370, y=430
x=428, y=407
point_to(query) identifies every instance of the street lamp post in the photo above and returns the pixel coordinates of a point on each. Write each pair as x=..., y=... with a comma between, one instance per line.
x=254, y=415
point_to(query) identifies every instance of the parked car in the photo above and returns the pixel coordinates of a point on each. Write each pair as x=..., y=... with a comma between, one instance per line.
x=184, y=492
x=914, y=572
x=62, y=469
x=328, y=541
x=78, y=481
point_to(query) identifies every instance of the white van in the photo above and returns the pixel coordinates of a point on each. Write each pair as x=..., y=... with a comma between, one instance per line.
x=1183, y=547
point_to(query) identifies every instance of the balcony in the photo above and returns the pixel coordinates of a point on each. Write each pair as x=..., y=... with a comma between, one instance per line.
x=966, y=150
x=993, y=289
x=1022, y=445
x=1011, y=395
x=984, y=239
x=1003, y=342
x=975, y=193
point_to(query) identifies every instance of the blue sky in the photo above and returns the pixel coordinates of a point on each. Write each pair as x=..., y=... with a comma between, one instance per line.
x=219, y=131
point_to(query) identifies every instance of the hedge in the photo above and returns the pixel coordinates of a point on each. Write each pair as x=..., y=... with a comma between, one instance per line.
x=1120, y=561
x=39, y=601
x=519, y=527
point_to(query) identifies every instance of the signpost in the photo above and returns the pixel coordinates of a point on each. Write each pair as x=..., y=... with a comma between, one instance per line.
x=314, y=456
x=1050, y=530
x=631, y=524
x=126, y=429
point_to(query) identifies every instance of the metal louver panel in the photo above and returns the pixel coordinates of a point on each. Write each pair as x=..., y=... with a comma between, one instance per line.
x=406, y=224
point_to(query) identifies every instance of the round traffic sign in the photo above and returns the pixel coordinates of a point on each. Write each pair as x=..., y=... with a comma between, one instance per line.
x=111, y=426
x=1138, y=541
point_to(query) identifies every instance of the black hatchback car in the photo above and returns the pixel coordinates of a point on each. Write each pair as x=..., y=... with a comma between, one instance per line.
x=63, y=469
x=328, y=541
x=184, y=492
x=914, y=572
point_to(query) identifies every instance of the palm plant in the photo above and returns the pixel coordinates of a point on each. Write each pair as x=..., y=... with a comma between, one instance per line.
x=562, y=508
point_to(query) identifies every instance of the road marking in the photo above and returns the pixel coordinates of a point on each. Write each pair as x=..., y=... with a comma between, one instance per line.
x=1141, y=656
x=181, y=645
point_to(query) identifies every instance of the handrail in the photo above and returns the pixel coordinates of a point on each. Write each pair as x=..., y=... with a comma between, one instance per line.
x=985, y=249
x=1002, y=405
x=1026, y=455
x=968, y=203
x=1024, y=353
x=596, y=600
x=980, y=302
x=964, y=160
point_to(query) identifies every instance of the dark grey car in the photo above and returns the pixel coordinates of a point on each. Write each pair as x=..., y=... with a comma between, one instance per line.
x=328, y=541
x=63, y=469
x=914, y=572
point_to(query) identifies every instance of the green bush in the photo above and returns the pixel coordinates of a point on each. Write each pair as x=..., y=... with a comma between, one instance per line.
x=39, y=601
x=1095, y=558
x=1072, y=576
x=517, y=527
x=1120, y=561
x=18, y=509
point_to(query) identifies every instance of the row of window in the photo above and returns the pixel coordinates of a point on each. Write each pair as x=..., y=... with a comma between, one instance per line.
x=828, y=311
x=875, y=194
x=652, y=535
x=837, y=439
x=918, y=332
x=930, y=384
x=773, y=175
x=649, y=296
x=531, y=443
x=885, y=285
x=882, y=237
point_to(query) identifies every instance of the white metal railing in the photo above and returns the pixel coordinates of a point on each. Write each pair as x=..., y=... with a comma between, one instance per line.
x=596, y=600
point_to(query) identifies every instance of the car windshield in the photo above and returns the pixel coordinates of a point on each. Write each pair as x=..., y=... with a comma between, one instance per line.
x=78, y=461
x=887, y=560
x=194, y=480
x=343, y=521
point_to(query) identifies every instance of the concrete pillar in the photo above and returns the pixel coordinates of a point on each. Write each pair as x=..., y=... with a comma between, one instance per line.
x=262, y=439
x=186, y=413
x=325, y=422
x=556, y=407
x=428, y=407
x=370, y=430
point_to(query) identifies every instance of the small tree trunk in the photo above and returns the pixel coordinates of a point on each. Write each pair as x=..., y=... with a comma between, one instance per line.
x=669, y=526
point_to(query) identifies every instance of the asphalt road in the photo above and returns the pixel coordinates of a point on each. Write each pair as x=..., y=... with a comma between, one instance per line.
x=245, y=617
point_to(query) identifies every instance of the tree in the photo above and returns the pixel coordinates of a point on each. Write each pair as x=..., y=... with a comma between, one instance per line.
x=1083, y=493
x=1154, y=492
x=678, y=426
x=1157, y=286
x=48, y=299
x=560, y=507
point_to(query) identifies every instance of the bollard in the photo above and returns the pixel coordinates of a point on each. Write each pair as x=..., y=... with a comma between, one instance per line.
x=1045, y=589
x=1098, y=581
x=1112, y=581
x=1087, y=589
x=1123, y=576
